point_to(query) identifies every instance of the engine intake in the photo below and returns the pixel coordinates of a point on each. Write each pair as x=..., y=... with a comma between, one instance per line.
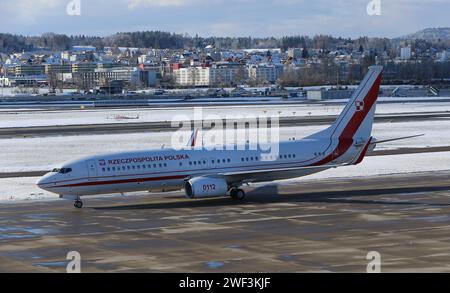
x=204, y=187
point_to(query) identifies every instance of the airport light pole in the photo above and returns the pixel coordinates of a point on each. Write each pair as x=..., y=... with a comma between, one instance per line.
x=3, y=84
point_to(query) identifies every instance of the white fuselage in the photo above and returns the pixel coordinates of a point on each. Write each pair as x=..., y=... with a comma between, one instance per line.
x=165, y=170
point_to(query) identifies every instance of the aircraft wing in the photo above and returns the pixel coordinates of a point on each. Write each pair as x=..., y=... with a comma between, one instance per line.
x=273, y=170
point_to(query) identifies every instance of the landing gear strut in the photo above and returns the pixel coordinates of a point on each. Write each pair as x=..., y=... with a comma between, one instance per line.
x=237, y=194
x=78, y=203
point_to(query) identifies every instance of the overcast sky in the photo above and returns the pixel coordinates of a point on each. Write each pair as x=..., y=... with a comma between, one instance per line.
x=347, y=18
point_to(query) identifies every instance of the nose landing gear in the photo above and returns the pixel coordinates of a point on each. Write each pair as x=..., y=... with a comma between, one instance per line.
x=76, y=198
x=78, y=203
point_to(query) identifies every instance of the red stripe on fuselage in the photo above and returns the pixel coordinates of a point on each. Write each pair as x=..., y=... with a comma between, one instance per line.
x=123, y=181
x=363, y=154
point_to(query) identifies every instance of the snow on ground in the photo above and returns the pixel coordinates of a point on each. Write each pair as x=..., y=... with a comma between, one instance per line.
x=44, y=153
x=385, y=165
x=17, y=118
x=24, y=189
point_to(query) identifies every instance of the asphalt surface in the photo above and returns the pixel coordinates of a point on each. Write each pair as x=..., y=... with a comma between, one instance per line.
x=301, y=226
x=66, y=130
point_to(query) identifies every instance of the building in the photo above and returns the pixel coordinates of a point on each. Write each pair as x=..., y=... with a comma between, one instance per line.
x=58, y=68
x=91, y=79
x=265, y=72
x=330, y=94
x=5, y=82
x=83, y=67
x=143, y=59
x=227, y=74
x=29, y=80
x=26, y=69
x=444, y=55
x=192, y=76
x=107, y=65
x=112, y=88
x=295, y=53
x=405, y=53
x=144, y=78
x=126, y=75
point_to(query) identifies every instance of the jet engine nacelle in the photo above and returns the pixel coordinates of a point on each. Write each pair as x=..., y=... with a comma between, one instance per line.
x=203, y=187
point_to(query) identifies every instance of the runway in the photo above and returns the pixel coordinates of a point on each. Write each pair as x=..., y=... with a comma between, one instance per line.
x=292, y=226
x=66, y=130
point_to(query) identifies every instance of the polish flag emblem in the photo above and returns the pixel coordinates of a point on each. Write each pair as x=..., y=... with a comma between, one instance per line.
x=102, y=162
x=359, y=106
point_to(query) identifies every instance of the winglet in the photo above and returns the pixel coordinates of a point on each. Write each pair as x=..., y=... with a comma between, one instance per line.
x=192, y=141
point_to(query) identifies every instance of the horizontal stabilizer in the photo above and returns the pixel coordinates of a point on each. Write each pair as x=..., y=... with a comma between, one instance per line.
x=395, y=139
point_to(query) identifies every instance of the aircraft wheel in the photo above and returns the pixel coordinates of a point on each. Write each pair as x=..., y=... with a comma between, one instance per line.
x=237, y=194
x=78, y=204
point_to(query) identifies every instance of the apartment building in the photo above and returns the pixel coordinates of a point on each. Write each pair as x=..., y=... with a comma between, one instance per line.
x=192, y=76
x=265, y=72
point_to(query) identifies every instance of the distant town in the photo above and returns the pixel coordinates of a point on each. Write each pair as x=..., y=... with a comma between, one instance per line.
x=133, y=63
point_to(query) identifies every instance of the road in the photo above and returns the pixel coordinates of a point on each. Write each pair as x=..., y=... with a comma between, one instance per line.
x=295, y=226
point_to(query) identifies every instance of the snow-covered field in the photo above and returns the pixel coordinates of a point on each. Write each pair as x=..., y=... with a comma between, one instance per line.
x=20, y=154
x=18, y=118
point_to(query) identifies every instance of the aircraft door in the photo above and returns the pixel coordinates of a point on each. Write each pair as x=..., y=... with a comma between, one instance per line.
x=92, y=170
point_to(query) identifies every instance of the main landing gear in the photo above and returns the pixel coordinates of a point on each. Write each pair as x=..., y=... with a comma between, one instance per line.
x=237, y=194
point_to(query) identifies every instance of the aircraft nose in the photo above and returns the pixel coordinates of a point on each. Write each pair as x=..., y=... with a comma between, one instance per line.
x=43, y=181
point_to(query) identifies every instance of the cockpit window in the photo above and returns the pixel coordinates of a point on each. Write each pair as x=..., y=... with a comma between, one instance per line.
x=62, y=170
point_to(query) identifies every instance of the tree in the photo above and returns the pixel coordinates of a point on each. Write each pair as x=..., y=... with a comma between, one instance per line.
x=290, y=77
x=361, y=49
x=239, y=76
x=52, y=81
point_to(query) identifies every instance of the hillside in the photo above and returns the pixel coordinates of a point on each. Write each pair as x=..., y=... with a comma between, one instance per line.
x=430, y=34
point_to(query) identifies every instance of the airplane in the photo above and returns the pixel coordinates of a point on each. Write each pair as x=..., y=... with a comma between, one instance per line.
x=218, y=173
